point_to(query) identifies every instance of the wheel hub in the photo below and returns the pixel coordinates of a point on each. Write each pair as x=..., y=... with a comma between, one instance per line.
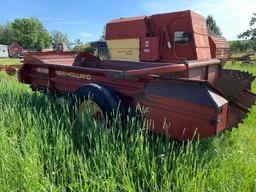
x=90, y=109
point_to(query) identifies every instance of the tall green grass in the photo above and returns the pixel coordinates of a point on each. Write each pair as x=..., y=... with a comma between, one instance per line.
x=44, y=148
x=9, y=61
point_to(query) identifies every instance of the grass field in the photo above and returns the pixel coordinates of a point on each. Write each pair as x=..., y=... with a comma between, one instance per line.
x=41, y=150
x=8, y=61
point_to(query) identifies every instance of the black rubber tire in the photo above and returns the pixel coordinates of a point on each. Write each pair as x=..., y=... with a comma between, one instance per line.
x=108, y=101
x=121, y=108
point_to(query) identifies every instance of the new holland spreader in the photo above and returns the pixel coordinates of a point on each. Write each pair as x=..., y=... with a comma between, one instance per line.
x=166, y=63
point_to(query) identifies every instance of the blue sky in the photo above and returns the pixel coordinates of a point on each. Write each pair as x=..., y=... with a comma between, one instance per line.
x=85, y=19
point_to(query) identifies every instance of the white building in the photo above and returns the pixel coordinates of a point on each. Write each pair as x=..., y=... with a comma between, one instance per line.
x=4, y=51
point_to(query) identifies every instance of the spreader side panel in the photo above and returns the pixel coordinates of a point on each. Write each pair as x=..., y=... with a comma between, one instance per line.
x=184, y=111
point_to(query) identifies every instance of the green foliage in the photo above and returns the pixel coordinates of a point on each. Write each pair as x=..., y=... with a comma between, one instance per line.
x=30, y=33
x=89, y=50
x=212, y=26
x=8, y=61
x=250, y=33
x=6, y=34
x=103, y=35
x=59, y=37
x=43, y=148
x=78, y=45
x=244, y=46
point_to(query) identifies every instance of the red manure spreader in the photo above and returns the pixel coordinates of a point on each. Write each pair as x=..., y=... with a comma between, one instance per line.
x=166, y=63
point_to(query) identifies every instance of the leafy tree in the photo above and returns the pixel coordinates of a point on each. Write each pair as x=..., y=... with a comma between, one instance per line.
x=251, y=32
x=244, y=46
x=59, y=37
x=6, y=34
x=89, y=50
x=30, y=33
x=78, y=45
x=103, y=35
x=212, y=26
x=78, y=42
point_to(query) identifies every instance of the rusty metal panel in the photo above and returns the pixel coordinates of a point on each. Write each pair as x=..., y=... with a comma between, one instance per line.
x=200, y=36
x=183, y=110
x=219, y=47
x=202, y=46
x=233, y=82
x=149, y=49
x=134, y=27
x=186, y=21
x=164, y=26
x=198, y=23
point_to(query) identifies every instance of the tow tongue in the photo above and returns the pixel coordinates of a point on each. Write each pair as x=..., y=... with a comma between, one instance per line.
x=235, y=86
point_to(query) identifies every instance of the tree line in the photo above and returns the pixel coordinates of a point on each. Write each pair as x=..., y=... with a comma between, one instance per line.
x=248, y=44
x=31, y=34
x=242, y=46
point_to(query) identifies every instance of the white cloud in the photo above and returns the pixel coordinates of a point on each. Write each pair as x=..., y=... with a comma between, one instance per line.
x=232, y=16
x=87, y=35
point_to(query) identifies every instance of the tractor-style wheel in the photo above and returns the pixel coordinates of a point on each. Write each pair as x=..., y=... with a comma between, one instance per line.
x=97, y=102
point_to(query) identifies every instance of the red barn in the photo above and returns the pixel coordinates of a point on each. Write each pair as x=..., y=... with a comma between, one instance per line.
x=15, y=50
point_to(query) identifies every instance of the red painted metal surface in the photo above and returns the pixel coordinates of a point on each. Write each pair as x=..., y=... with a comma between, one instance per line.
x=184, y=108
x=164, y=26
x=149, y=49
x=219, y=47
x=183, y=120
x=187, y=94
x=157, y=70
x=121, y=28
x=49, y=77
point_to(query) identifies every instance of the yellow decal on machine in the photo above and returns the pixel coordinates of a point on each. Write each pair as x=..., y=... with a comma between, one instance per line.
x=73, y=75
